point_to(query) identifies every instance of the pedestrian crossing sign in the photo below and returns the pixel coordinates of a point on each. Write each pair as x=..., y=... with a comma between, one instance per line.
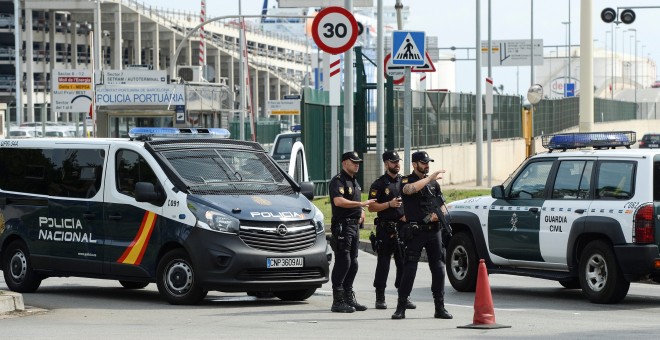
x=408, y=48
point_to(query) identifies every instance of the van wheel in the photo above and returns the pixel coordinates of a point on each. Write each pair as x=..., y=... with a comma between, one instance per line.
x=17, y=269
x=600, y=276
x=462, y=263
x=176, y=279
x=295, y=295
x=133, y=284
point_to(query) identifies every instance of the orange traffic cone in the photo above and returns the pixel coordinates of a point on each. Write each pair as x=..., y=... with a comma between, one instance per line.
x=484, y=312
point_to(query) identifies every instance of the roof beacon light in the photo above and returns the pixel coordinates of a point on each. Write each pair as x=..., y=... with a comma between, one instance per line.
x=597, y=140
x=170, y=133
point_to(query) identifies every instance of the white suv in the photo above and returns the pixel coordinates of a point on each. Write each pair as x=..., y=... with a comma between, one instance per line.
x=585, y=217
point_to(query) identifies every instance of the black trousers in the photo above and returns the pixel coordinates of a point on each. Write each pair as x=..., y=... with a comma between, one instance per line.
x=347, y=240
x=388, y=245
x=432, y=241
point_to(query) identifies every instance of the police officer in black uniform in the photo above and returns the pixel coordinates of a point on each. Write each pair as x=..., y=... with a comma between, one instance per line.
x=422, y=230
x=387, y=192
x=347, y=215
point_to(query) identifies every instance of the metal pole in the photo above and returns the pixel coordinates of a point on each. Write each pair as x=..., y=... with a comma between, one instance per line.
x=532, y=148
x=17, y=57
x=569, y=42
x=586, y=68
x=478, y=114
x=489, y=133
x=241, y=75
x=348, y=92
x=380, y=86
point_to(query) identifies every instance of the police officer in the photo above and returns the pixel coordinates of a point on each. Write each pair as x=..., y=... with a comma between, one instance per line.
x=347, y=215
x=387, y=192
x=422, y=230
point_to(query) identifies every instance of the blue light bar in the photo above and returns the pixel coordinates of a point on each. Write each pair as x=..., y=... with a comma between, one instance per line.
x=597, y=140
x=170, y=132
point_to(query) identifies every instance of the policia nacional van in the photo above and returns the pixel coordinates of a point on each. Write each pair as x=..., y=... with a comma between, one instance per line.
x=587, y=218
x=191, y=214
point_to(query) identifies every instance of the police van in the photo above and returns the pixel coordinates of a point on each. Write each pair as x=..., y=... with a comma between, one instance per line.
x=189, y=212
x=583, y=214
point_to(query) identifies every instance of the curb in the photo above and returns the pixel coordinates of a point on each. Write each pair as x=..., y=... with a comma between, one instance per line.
x=10, y=301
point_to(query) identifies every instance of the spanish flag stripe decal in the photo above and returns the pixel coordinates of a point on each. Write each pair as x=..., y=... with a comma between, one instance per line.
x=135, y=251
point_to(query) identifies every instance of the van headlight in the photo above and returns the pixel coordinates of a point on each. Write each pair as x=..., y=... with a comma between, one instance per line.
x=212, y=219
x=318, y=220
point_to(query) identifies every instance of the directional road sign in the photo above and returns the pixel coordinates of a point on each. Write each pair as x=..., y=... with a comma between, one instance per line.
x=408, y=48
x=512, y=52
x=334, y=30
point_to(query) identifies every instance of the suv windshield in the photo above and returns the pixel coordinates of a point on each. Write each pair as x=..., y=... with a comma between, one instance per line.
x=218, y=171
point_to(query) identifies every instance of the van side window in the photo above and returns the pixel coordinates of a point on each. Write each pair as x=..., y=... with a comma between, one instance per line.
x=76, y=172
x=615, y=180
x=25, y=170
x=132, y=168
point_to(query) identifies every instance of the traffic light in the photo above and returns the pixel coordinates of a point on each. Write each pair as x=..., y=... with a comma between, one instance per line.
x=609, y=15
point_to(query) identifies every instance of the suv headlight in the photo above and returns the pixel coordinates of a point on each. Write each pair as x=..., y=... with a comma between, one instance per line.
x=318, y=220
x=212, y=219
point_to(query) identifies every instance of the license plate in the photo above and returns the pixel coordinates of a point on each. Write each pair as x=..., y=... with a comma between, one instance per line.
x=284, y=262
x=653, y=145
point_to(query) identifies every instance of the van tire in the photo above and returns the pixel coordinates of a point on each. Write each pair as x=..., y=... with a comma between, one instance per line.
x=17, y=269
x=133, y=284
x=462, y=263
x=295, y=295
x=600, y=276
x=176, y=279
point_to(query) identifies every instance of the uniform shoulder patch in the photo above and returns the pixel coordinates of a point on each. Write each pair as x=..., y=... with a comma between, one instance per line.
x=341, y=190
x=404, y=180
x=373, y=193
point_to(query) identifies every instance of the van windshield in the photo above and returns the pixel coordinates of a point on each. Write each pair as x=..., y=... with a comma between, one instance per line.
x=283, y=146
x=218, y=172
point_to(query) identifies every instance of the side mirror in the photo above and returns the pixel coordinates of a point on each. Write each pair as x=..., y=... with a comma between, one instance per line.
x=307, y=189
x=497, y=191
x=146, y=192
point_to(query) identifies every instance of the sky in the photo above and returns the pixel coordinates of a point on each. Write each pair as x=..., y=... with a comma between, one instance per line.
x=454, y=23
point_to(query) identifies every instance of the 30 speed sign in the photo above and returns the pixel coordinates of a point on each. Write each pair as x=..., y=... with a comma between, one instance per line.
x=334, y=30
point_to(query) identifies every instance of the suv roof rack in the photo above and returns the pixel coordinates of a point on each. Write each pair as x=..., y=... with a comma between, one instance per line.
x=597, y=140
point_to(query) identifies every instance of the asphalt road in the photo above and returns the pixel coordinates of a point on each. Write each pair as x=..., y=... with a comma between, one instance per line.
x=75, y=308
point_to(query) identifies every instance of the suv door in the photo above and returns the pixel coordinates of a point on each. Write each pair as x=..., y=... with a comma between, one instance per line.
x=567, y=206
x=513, y=222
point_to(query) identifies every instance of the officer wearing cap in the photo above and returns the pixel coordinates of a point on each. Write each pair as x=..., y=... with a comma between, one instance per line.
x=386, y=190
x=422, y=230
x=347, y=215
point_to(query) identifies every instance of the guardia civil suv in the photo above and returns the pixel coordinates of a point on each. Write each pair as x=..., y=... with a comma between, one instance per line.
x=583, y=214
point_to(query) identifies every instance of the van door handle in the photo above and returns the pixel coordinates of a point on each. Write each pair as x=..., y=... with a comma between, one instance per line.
x=579, y=211
x=114, y=217
x=89, y=216
x=534, y=210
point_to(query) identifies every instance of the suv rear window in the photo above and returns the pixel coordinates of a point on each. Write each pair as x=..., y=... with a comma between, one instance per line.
x=615, y=180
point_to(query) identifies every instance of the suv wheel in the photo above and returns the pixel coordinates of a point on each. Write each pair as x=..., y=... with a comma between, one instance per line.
x=176, y=279
x=462, y=263
x=600, y=276
x=17, y=269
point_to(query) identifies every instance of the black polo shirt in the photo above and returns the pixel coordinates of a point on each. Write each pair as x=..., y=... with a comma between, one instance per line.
x=419, y=205
x=384, y=189
x=347, y=187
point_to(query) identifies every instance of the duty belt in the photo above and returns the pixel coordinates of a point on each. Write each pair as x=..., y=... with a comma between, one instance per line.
x=350, y=221
x=390, y=226
x=424, y=227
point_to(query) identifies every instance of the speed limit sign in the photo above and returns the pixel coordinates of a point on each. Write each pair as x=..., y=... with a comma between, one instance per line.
x=334, y=30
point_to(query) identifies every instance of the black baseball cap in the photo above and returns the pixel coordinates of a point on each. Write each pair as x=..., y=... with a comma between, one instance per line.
x=352, y=155
x=421, y=156
x=392, y=156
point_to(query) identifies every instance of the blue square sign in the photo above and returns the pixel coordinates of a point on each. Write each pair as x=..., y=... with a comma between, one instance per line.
x=569, y=90
x=408, y=48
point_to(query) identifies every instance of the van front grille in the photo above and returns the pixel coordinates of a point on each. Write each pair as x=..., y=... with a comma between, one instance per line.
x=279, y=237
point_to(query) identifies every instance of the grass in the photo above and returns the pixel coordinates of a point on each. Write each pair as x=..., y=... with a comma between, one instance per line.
x=323, y=203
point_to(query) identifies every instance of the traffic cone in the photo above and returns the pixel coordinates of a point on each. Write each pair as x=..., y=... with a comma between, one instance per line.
x=484, y=312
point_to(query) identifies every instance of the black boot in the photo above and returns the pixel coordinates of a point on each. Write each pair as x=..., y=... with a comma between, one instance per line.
x=400, y=312
x=440, y=311
x=338, y=303
x=380, y=299
x=409, y=304
x=349, y=297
